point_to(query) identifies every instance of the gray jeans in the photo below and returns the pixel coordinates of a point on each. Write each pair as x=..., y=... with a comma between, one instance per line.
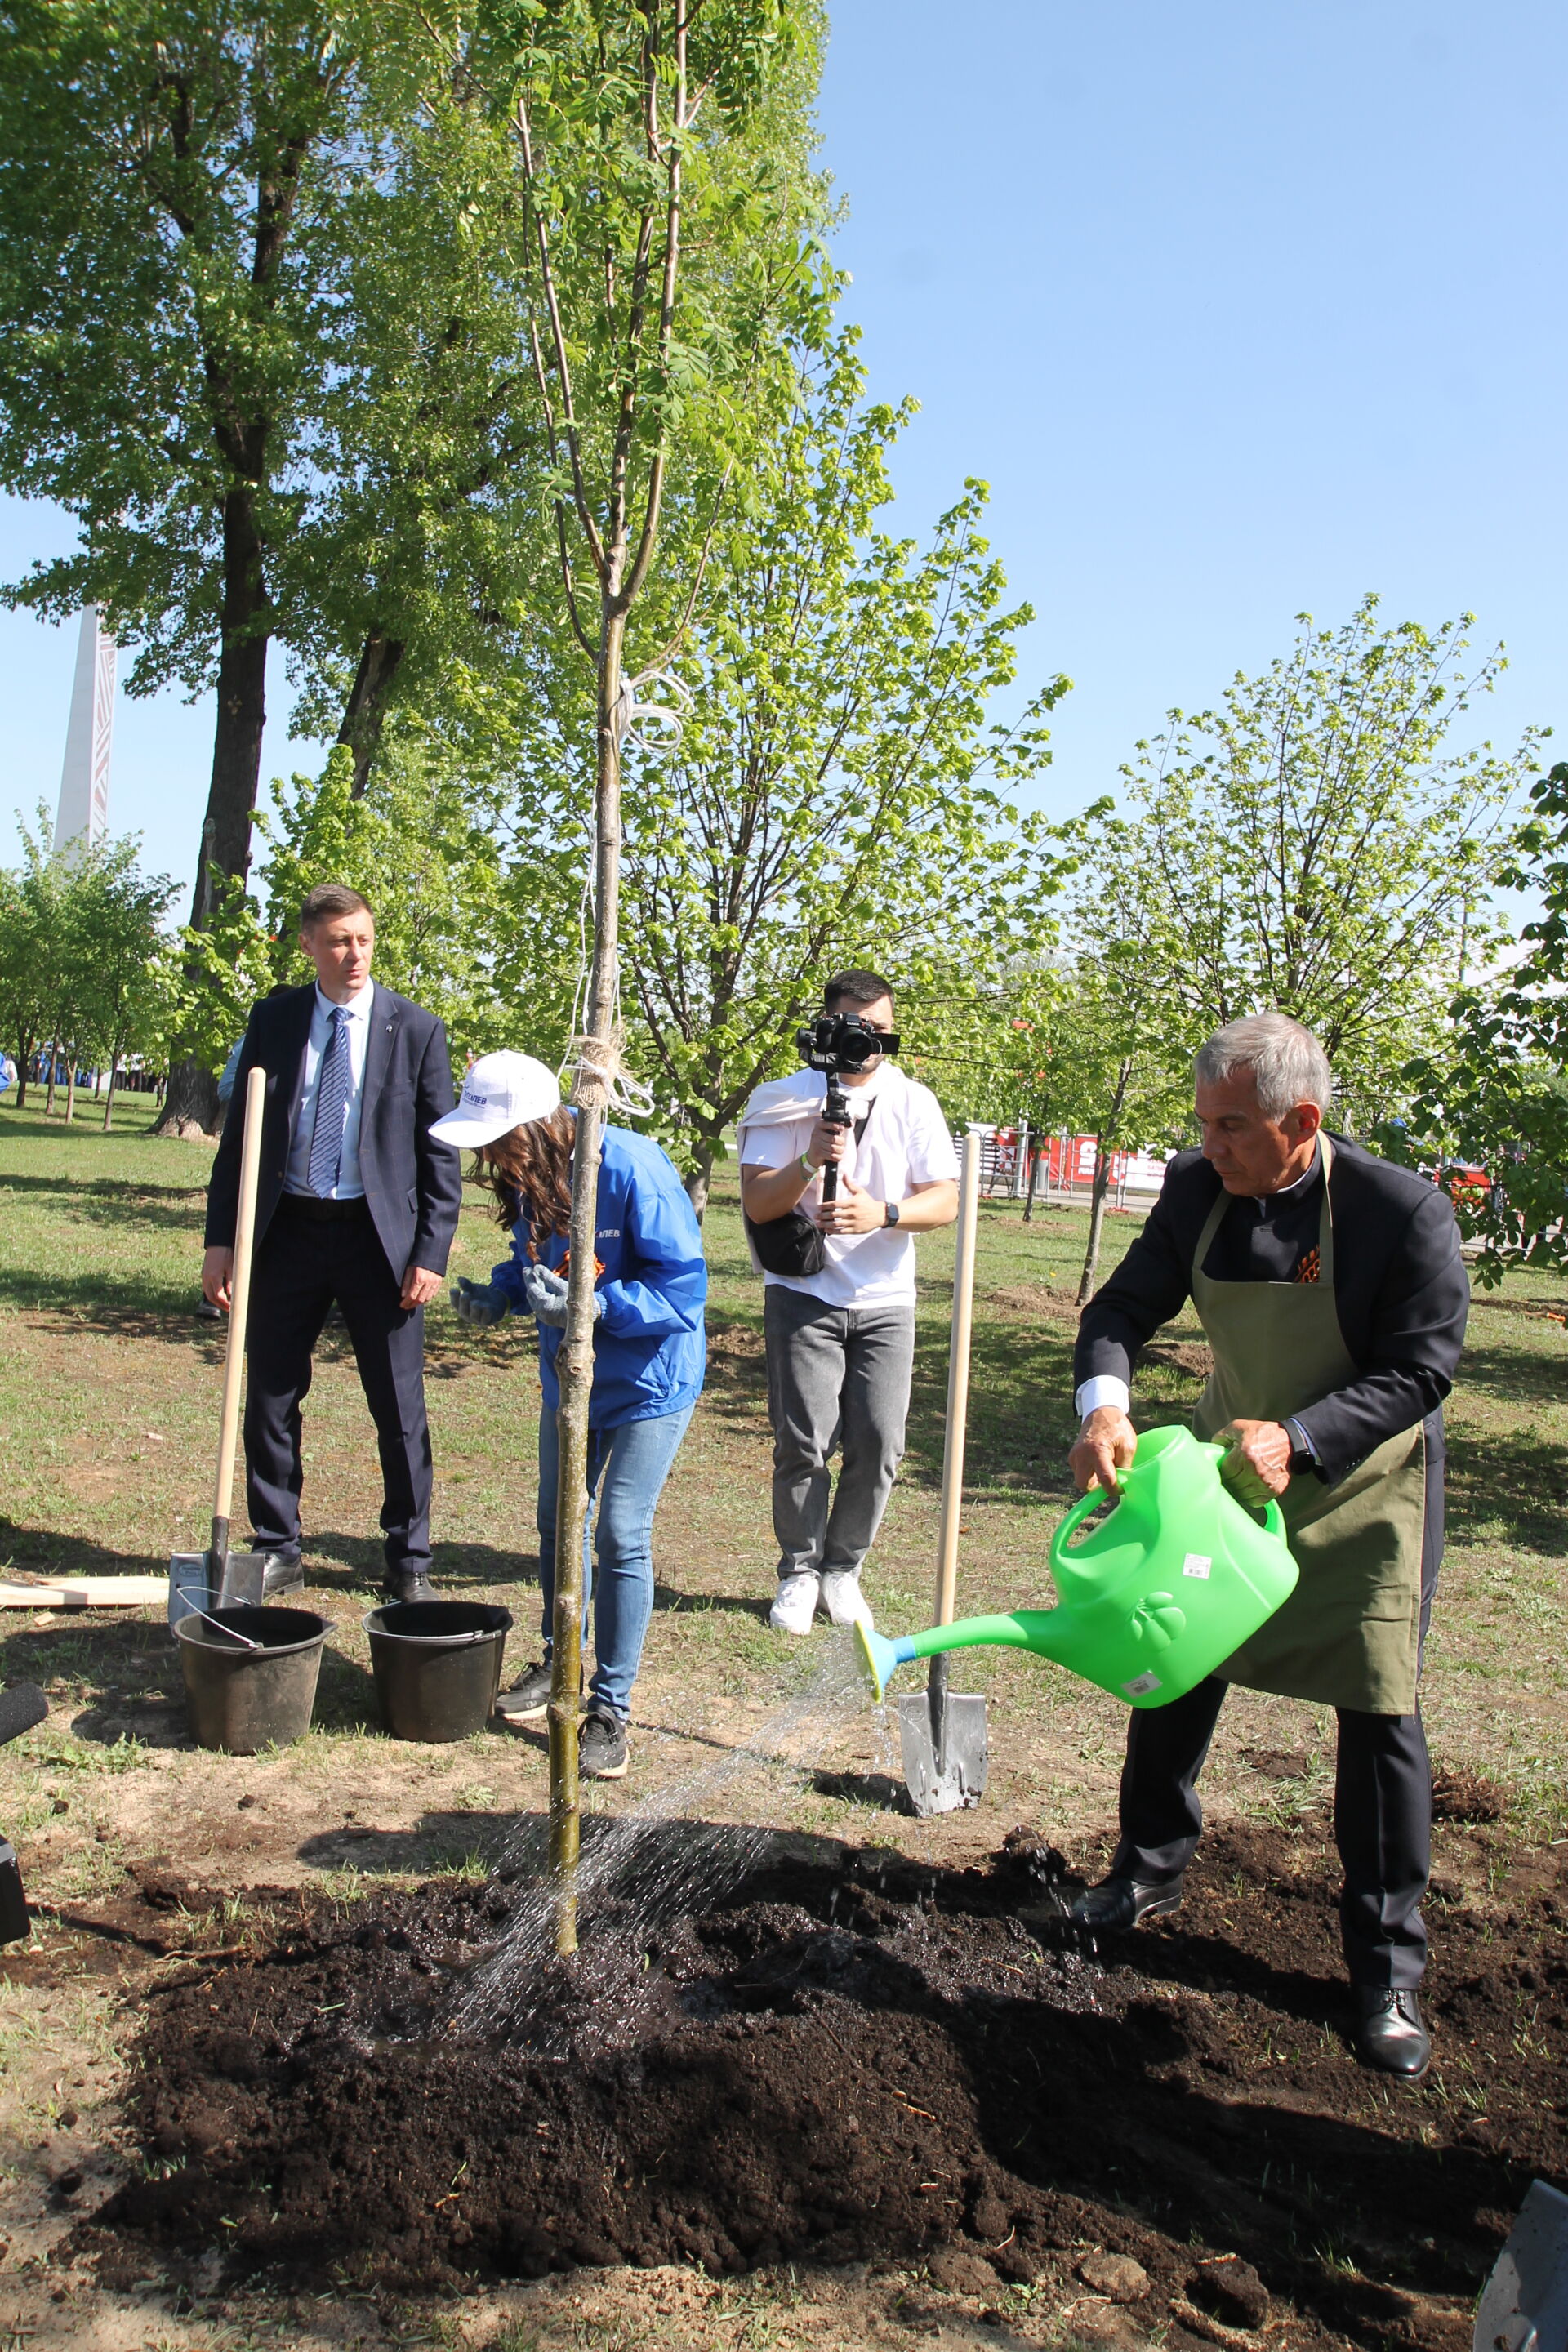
x=837, y=1376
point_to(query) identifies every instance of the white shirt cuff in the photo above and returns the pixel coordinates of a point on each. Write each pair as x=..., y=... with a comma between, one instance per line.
x=1105, y=1388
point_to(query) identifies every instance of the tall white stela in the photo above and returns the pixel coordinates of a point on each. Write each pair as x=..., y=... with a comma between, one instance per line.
x=83, y=813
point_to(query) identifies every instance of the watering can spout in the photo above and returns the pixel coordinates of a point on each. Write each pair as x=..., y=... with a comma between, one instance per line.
x=881, y=1658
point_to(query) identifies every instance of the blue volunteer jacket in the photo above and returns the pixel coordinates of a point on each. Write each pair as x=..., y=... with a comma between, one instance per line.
x=649, y=1347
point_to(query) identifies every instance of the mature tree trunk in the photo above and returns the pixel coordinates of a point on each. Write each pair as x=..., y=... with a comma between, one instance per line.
x=1110, y=1127
x=699, y=1176
x=1097, y=1191
x=23, y=1056
x=191, y=1105
x=1029, y=1188
x=71, y=1085
x=54, y=1065
x=109, y=1098
x=367, y=704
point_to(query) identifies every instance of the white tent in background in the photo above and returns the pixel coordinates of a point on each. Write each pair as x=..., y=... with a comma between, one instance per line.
x=83, y=813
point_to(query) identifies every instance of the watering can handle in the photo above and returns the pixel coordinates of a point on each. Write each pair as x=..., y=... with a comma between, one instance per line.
x=1074, y=1519
x=1273, y=1519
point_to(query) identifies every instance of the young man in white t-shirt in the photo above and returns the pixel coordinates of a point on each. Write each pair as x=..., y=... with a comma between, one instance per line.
x=841, y=1341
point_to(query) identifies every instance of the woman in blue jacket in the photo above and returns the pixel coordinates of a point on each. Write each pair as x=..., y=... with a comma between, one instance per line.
x=649, y=1355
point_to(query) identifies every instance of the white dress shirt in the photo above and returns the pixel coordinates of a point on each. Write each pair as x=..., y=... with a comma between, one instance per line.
x=297, y=1175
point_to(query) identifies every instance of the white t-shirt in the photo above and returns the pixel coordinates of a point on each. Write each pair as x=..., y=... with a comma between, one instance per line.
x=905, y=1142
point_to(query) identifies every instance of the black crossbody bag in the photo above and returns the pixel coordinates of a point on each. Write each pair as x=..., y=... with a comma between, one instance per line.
x=794, y=1243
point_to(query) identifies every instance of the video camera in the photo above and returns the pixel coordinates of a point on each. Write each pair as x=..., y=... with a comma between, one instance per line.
x=842, y=1041
x=836, y=1042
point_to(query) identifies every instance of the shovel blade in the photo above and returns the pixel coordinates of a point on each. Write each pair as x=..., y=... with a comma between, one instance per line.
x=243, y=1572
x=956, y=1778
x=1524, y=2304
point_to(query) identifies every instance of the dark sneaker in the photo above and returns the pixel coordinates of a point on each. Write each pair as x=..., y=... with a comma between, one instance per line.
x=601, y=1750
x=527, y=1700
x=207, y=1313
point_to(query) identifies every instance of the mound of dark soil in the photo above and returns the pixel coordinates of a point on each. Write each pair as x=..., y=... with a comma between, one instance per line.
x=866, y=2058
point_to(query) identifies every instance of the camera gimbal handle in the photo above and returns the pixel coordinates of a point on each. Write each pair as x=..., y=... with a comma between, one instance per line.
x=835, y=1113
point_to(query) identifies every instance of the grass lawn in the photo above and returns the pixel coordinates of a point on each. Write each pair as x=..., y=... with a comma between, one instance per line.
x=109, y=1393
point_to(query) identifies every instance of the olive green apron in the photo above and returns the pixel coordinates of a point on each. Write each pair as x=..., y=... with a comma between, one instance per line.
x=1349, y=1635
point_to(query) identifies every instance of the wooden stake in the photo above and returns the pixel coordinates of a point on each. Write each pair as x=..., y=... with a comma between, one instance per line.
x=958, y=1379
x=239, y=1315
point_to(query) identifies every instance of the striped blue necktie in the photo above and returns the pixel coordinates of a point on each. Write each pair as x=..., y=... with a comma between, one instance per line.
x=333, y=1085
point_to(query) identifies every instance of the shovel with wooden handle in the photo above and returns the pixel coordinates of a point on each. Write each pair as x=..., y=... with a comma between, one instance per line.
x=942, y=1734
x=229, y=1578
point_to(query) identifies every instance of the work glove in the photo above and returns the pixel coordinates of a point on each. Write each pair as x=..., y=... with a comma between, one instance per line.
x=547, y=1295
x=478, y=1302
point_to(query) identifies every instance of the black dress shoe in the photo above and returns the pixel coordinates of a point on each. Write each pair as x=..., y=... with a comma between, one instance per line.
x=1391, y=2033
x=284, y=1572
x=1118, y=1901
x=406, y=1584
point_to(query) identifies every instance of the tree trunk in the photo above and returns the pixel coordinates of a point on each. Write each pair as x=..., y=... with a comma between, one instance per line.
x=109, y=1098
x=1029, y=1188
x=1110, y=1127
x=367, y=705
x=70, y=1086
x=575, y=1363
x=54, y=1065
x=699, y=1176
x=1097, y=1191
x=23, y=1056
x=191, y=1105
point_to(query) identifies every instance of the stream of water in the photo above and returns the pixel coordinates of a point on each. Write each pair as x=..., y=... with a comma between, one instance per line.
x=649, y=1877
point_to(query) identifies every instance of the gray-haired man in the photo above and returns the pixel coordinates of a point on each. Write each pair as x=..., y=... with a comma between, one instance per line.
x=1331, y=1288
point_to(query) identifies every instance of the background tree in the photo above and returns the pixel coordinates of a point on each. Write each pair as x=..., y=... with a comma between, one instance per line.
x=28, y=931
x=1316, y=846
x=167, y=170
x=122, y=957
x=1491, y=1089
x=835, y=794
x=266, y=345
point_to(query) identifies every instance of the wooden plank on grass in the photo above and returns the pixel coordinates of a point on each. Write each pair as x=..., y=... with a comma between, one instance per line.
x=88, y=1593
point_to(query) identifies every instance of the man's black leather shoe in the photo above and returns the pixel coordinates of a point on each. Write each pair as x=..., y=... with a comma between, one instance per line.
x=1391, y=2033
x=1119, y=1902
x=284, y=1572
x=408, y=1584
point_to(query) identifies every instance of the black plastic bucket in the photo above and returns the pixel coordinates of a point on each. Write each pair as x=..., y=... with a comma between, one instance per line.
x=436, y=1665
x=239, y=1700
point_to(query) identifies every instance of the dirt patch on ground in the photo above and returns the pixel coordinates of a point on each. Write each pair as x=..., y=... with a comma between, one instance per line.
x=866, y=2058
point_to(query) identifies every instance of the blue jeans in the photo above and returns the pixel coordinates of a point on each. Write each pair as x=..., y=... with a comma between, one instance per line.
x=633, y=1462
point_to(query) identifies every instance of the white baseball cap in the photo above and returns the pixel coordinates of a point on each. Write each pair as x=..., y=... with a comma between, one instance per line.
x=501, y=1091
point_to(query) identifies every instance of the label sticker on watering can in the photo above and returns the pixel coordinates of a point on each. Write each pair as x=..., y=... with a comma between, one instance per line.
x=1198, y=1563
x=1141, y=1685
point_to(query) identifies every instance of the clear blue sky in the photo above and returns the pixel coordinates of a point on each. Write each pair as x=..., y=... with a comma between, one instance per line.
x=1239, y=309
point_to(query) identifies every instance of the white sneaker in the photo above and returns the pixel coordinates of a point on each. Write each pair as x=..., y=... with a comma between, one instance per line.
x=843, y=1598
x=794, y=1603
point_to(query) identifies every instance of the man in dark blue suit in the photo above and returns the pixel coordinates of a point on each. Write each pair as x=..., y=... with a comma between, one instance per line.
x=357, y=1203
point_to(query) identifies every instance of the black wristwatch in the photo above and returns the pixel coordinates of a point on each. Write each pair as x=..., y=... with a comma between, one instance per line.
x=890, y=1212
x=1302, y=1457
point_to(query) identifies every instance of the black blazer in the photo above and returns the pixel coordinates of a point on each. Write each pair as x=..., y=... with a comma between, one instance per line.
x=1401, y=1292
x=413, y=1184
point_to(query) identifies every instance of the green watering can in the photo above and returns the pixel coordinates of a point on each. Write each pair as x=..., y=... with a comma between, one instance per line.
x=1175, y=1576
